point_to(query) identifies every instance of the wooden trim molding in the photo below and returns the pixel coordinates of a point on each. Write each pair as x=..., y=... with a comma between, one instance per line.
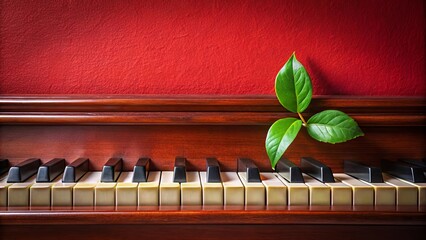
x=198, y=110
x=197, y=215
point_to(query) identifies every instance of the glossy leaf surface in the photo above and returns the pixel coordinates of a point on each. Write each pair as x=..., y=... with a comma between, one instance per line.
x=293, y=86
x=333, y=126
x=280, y=135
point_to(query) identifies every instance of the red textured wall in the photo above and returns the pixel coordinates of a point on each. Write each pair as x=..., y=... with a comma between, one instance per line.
x=350, y=47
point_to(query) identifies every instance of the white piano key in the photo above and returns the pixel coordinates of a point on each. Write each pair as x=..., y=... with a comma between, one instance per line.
x=62, y=194
x=254, y=191
x=276, y=191
x=169, y=190
x=191, y=190
x=19, y=193
x=84, y=190
x=298, y=193
x=384, y=194
x=319, y=193
x=233, y=189
x=148, y=191
x=105, y=194
x=421, y=187
x=212, y=192
x=406, y=194
x=126, y=190
x=40, y=193
x=362, y=194
x=341, y=194
x=4, y=186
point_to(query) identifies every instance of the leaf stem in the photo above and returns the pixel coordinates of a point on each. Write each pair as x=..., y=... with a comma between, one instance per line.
x=303, y=120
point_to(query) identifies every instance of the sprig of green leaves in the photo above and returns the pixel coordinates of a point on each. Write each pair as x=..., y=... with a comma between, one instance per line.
x=294, y=91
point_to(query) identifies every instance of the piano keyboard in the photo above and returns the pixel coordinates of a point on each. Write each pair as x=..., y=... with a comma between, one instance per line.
x=317, y=186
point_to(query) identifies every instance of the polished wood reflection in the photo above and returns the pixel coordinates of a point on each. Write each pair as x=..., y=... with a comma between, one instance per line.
x=226, y=127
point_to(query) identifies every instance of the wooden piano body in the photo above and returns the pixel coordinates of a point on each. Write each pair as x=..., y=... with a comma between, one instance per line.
x=196, y=127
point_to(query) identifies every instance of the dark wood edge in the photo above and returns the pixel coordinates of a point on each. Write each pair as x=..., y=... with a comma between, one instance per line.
x=213, y=217
x=188, y=103
x=199, y=110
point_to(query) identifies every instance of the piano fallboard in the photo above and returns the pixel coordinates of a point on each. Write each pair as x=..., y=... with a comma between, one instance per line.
x=225, y=127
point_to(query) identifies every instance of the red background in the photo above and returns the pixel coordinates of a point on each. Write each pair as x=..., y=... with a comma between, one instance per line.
x=353, y=47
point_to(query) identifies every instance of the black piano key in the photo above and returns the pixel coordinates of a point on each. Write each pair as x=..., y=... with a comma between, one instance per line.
x=290, y=171
x=415, y=163
x=247, y=166
x=23, y=171
x=316, y=169
x=74, y=171
x=112, y=170
x=213, y=170
x=363, y=172
x=404, y=171
x=50, y=170
x=140, y=170
x=4, y=166
x=179, y=171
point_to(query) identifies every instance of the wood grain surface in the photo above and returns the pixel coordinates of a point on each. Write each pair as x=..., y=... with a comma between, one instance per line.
x=203, y=110
x=196, y=127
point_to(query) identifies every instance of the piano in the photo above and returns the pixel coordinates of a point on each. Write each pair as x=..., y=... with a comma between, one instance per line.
x=175, y=167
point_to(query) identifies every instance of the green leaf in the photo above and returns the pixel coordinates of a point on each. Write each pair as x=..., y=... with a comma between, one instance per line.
x=293, y=86
x=333, y=126
x=280, y=135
